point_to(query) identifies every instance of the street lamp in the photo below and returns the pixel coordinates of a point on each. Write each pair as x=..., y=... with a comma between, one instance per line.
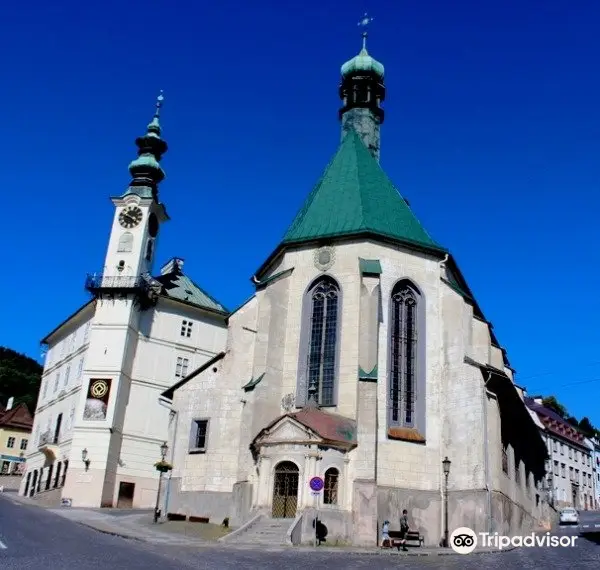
x=163, y=453
x=446, y=466
x=84, y=458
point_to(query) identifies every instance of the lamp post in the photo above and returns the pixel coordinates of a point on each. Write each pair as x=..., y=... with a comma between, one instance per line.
x=163, y=453
x=84, y=458
x=446, y=467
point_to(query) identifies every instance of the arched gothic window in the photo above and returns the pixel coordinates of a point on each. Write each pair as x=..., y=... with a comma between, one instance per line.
x=405, y=387
x=320, y=333
x=330, y=489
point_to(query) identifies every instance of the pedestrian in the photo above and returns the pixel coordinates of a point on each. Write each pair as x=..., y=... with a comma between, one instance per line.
x=404, y=529
x=385, y=534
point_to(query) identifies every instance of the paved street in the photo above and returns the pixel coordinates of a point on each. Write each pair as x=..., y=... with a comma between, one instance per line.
x=36, y=538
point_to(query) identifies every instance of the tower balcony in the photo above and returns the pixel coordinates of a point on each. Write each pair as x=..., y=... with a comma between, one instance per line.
x=99, y=282
x=144, y=288
x=48, y=444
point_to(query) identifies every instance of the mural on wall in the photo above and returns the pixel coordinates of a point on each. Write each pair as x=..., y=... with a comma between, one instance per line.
x=96, y=403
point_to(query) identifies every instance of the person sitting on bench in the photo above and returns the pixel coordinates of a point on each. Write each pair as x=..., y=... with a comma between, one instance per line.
x=404, y=529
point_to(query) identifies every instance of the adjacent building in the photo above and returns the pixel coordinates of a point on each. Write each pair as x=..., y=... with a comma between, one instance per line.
x=15, y=436
x=596, y=472
x=569, y=468
x=362, y=358
x=98, y=424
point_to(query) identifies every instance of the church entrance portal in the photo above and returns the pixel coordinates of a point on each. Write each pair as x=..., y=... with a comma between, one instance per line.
x=285, y=491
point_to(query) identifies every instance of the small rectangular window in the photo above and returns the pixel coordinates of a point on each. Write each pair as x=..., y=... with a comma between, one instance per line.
x=67, y=373
x=556, y=468
x=186, y=328
x=181, y=367
x=10, y=443
x=198, y=436
x=24, y=444
x=57, y=382
x=570, y=453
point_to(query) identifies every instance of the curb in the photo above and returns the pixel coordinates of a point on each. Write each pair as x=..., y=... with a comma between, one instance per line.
x=111, y=533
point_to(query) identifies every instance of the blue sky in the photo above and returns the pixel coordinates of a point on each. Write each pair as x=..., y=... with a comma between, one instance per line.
x=492, y=132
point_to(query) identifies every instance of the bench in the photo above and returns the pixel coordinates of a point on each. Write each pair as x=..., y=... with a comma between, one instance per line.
x=396, y=540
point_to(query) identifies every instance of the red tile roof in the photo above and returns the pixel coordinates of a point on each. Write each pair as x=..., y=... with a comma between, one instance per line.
x=18, y=417
x=331, y=427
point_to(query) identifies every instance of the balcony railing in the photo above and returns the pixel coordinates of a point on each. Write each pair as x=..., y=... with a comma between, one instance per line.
x=97, y=281
x=144, y=287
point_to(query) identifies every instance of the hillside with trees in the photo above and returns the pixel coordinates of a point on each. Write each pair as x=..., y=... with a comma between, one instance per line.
x=584, y=425
x=20, y=377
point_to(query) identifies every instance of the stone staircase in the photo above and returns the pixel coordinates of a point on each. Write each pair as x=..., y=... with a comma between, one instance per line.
x=265, y=531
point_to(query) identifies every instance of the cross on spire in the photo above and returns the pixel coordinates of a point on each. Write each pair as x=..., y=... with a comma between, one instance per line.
x=364, y=23
x=159, y=101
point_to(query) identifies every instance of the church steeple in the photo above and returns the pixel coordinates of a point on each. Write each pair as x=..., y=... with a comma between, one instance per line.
x=362, y=92
x=145, y=170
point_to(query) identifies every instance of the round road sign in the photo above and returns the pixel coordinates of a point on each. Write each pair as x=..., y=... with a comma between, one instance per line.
x=316, y=484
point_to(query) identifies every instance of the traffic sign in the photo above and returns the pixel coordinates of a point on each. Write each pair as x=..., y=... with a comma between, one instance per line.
x=316, y=484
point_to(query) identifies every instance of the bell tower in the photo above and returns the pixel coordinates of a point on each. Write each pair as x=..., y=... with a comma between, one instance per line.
x=362, y=92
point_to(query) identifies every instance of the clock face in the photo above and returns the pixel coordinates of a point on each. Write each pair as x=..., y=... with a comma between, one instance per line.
x=153, y=225
x=130, y=217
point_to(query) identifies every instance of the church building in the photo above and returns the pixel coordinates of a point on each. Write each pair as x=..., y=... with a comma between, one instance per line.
x=362, y=358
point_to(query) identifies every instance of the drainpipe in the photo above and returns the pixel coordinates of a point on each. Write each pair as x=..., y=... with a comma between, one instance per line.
x=488, y=485
x=175, y=418
x=443, y=489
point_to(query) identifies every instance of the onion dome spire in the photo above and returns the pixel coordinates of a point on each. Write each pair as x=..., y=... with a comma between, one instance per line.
x=362, y=92
x=145, y=170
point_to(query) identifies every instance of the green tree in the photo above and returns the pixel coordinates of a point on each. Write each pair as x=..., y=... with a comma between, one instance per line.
x=585, y=425
x=552, y=403
x=20, y=377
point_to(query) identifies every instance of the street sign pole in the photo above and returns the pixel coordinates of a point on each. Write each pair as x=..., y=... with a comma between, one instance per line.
x=316, y=484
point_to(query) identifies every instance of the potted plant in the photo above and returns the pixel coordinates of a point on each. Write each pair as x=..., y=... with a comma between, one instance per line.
x=163, y=466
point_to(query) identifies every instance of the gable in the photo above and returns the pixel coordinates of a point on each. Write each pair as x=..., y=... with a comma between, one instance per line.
x=287, y=431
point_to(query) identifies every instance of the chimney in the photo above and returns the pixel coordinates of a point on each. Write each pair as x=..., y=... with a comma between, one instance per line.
x=538, y=401
x=175, y=265
x=10, y=403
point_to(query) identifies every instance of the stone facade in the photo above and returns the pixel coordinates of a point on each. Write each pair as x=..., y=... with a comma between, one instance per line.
x=380, y=475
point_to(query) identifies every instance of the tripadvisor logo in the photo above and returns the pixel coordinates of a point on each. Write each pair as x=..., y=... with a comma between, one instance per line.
x=464, y=540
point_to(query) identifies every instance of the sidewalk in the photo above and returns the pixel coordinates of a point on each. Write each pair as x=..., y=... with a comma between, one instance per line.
x=140, y=527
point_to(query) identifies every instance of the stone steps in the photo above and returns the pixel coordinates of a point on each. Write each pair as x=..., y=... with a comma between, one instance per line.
x=266, y=531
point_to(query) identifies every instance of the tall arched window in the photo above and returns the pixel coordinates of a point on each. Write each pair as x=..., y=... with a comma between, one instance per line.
x=330, y=489
x=406, y=386
x=320, y=332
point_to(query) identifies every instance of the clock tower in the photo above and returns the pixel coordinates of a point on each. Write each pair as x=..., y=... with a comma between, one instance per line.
x=138, y=212
x=125, y=292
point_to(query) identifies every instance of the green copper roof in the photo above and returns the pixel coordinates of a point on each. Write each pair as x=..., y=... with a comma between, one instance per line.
x=355, y=196
x=181, y=287
x=362, y=62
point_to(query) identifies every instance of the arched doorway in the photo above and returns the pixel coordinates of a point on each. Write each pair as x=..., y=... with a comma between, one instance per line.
x=285, y=490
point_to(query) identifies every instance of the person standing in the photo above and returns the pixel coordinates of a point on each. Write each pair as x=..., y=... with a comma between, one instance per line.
x=404, y=529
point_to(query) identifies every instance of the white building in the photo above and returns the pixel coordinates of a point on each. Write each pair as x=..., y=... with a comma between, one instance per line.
x=363, y=358
x=569, y=469
x=98, y=425
x=596, y=473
